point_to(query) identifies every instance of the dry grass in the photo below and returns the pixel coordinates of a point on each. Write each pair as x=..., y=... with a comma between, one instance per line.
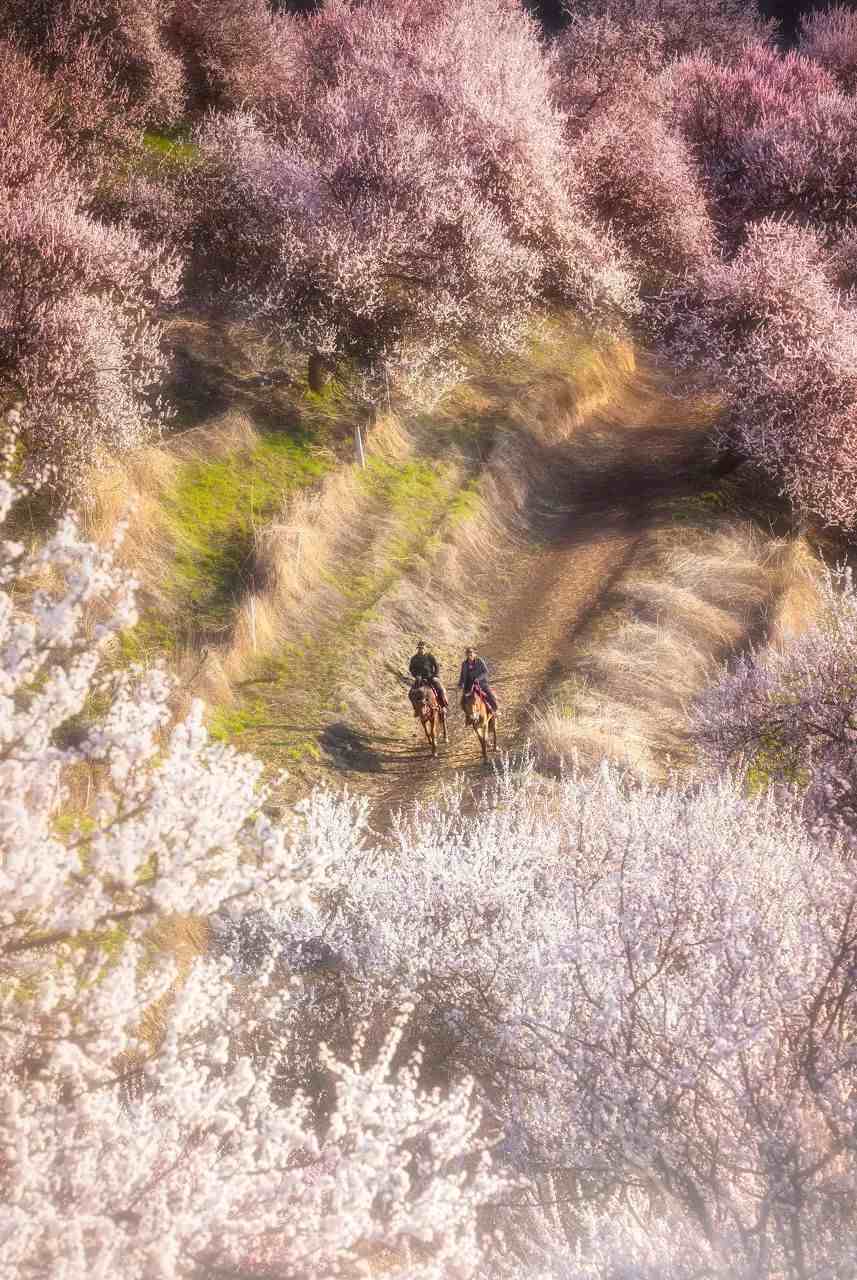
x=341, y=576
x=694, y=597
x=339, y=580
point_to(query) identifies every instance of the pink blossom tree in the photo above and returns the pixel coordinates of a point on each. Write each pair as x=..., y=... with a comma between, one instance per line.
x=79, y=328
x=412, y=191
x=235, y=53
x=829, y=37
x=632, y=171
x=789, y=714
x=603, y=56
x=637, y=175
x=162, y=59
x=773, y=136
x=771, y=331
x=668, y=29
x=131, y=40
x=75, y=105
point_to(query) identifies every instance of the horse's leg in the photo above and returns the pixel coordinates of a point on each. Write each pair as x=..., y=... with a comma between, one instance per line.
x=433, y=731
x=494, y=732
x=426, y=723
x=443, y=724
x=483, y=738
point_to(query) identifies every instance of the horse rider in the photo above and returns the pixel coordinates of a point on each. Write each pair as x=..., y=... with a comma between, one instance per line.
x=425, y=666
x=473, y=670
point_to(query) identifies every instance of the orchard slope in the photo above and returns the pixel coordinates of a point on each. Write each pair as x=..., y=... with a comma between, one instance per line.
x=558, y=510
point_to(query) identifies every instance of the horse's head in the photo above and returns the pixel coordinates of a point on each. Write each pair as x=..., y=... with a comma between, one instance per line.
x=420, y=697
x=470, y=706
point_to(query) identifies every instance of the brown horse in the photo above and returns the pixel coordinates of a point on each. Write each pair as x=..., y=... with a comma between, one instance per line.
x=479, y=715
x=430, y=713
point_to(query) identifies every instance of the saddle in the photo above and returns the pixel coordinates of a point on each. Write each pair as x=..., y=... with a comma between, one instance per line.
x=477, y=689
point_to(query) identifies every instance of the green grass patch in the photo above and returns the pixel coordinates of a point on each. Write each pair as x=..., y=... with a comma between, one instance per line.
x=212, y=514
x=418, y=496
x=696, y=506
x=227, y=723
x=466, y=504
x=175, y=148
x=418, y=501
x=771, y=763
x=147, y=640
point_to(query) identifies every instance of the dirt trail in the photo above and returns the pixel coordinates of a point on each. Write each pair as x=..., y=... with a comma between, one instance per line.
x=609, y=481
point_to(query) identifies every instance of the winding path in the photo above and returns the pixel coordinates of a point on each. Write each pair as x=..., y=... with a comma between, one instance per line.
x=610, y=483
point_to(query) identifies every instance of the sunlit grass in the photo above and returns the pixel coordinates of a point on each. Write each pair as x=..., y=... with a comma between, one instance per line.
x=212, y=513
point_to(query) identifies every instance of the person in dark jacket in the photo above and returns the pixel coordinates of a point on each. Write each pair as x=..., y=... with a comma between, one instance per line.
x=425, y=666
x=473, y=668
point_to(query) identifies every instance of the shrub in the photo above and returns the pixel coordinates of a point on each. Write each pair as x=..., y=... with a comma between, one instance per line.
x=829, y=37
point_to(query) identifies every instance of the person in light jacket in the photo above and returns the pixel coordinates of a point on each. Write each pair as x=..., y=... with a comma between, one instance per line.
x=473, y=671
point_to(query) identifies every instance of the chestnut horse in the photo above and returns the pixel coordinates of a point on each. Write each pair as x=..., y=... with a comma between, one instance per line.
x=479, y=715
x=430, y=713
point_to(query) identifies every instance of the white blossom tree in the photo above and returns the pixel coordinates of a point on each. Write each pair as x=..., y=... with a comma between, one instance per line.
x=653, y=990
x=144, y=1129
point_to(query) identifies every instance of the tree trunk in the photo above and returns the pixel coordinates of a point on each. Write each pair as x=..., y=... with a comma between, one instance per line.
x=729, y=458
x=318, y=372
